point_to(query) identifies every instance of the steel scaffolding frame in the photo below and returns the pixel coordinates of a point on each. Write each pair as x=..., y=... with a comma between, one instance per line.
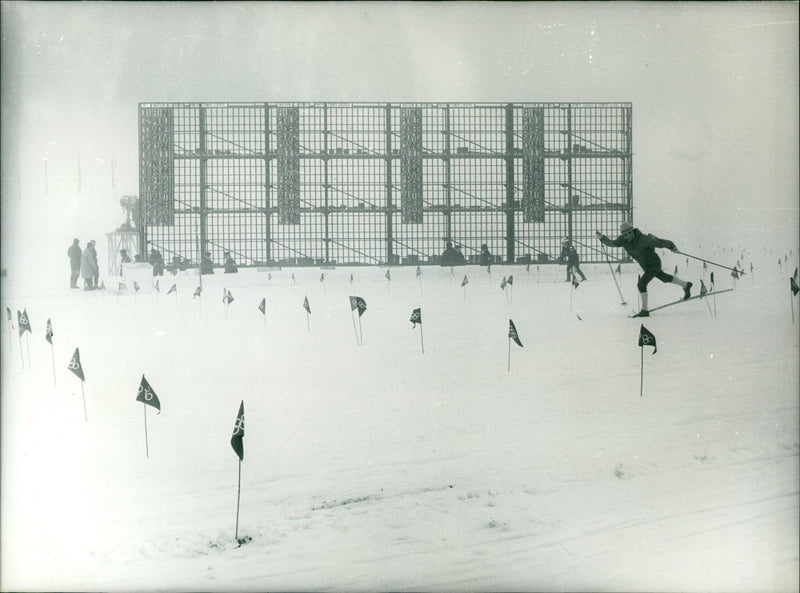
x=382, y=183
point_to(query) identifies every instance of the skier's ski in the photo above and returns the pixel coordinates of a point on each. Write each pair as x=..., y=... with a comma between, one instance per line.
x=708, y=294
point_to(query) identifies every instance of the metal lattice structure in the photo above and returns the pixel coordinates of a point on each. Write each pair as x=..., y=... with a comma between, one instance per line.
x=377, y=183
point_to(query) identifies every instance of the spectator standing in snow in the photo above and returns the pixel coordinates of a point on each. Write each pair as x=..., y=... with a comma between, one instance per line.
x=642, y=248
x=230, y=264
x=486, y=256
x=569, y=255
x=206, y=265
x=157, y=261
x=74, y=252
x=89, y=270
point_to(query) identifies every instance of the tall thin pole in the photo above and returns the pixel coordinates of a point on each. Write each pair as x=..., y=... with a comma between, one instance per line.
x=641, y=372
x=238, y=498
x=791, y=304
x=21, y=355
x=360, y=330
x=614, y=276
x=509, y=354
x=28, y=348
x=421, y=338
x=353, y=319
x=83, y=395
x=146, y=443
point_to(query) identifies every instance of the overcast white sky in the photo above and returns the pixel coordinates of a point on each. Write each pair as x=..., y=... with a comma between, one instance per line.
x=714, y=88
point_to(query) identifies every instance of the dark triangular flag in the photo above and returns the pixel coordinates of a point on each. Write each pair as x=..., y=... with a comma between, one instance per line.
x=510, y=280
x=122, y=286
x=262, y=306
x=228, y=297
x=147, y=395
x=135, y=286
x=351, y=278
x=48, y=335
x=197, y=292
x=173, y=288
x=793, y=286
x=503, y=283
x=75, y=365
x=512, y=332
x=419, y=272
x=237, y=438
x=735, y=274
x=465, y=281
x=306, y=306
x=156, y=286
x=8, y=313
x=416, y=317
x=703, y=289
x=358, y=303
x=23, y=322
x=711, y=277
x=619, y=270
x=646, y=338
x=388, y=274
x=322, y=277
x=575, y=282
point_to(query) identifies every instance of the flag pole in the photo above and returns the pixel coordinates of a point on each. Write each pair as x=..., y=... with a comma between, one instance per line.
x=509, y=354
x=641, y=370
x=238, y=498
x=791, y=304
x=21, y=356
x=146, y=444
x=421, y=338
x=308, y=321
x=360, y=330
x=28, y=348
x=83, y=395
x=353, y=319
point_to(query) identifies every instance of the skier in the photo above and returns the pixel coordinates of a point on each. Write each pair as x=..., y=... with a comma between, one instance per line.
x=569, y=256
x=74, y=252
x=642, y=248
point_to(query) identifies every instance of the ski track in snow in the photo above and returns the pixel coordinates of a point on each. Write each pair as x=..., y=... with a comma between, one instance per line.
x=378, y=467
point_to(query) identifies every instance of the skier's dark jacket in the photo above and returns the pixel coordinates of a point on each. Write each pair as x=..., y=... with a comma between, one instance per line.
x=642, y=248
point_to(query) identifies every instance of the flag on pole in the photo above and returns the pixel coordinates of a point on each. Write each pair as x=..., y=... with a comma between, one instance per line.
x=306, y=306
x=23, y=322
x=503, y=283
x=173, y=288
x=735, y=274
x=419, y=272
x=197, y=292
x=358, y=303
x=262, y=306
x=793, y=285
x=8, y=314
x=157, y=287
x=675, y=273
x=237, y=438
x=75, y=365
x=512, y=333
x=703, y=289
x=575, y=282
x=389, y=275
x=465, y=281
x=510, y=280
x=646, y=338
x=227, y=297
x=121, y=286
x=619, y=270
x=712, y=280
x=147, y=395
x=351, y=278
x=416, y=317
x=136, y=286
x=49, y=332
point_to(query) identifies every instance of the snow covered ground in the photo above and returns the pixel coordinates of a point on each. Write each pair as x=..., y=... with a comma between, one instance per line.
x=380, y=467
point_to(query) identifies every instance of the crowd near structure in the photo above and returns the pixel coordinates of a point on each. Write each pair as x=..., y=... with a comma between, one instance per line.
x=282, y=184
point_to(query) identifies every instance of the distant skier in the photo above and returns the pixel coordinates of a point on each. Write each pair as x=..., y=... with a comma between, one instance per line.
x=74, y=252
x=569, y=255
x=642, y=248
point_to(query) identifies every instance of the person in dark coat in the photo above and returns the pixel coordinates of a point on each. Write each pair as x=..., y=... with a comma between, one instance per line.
x=486, y=256
x=569, y=255
x=642, y=248
x=206, y=265
x=89, y=270
x=74, y=252
x=230, y=264
x=451, y=257
x=157, y=261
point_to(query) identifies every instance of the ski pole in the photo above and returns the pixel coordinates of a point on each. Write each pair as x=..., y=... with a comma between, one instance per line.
x=711, y=262
x=614, y=276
